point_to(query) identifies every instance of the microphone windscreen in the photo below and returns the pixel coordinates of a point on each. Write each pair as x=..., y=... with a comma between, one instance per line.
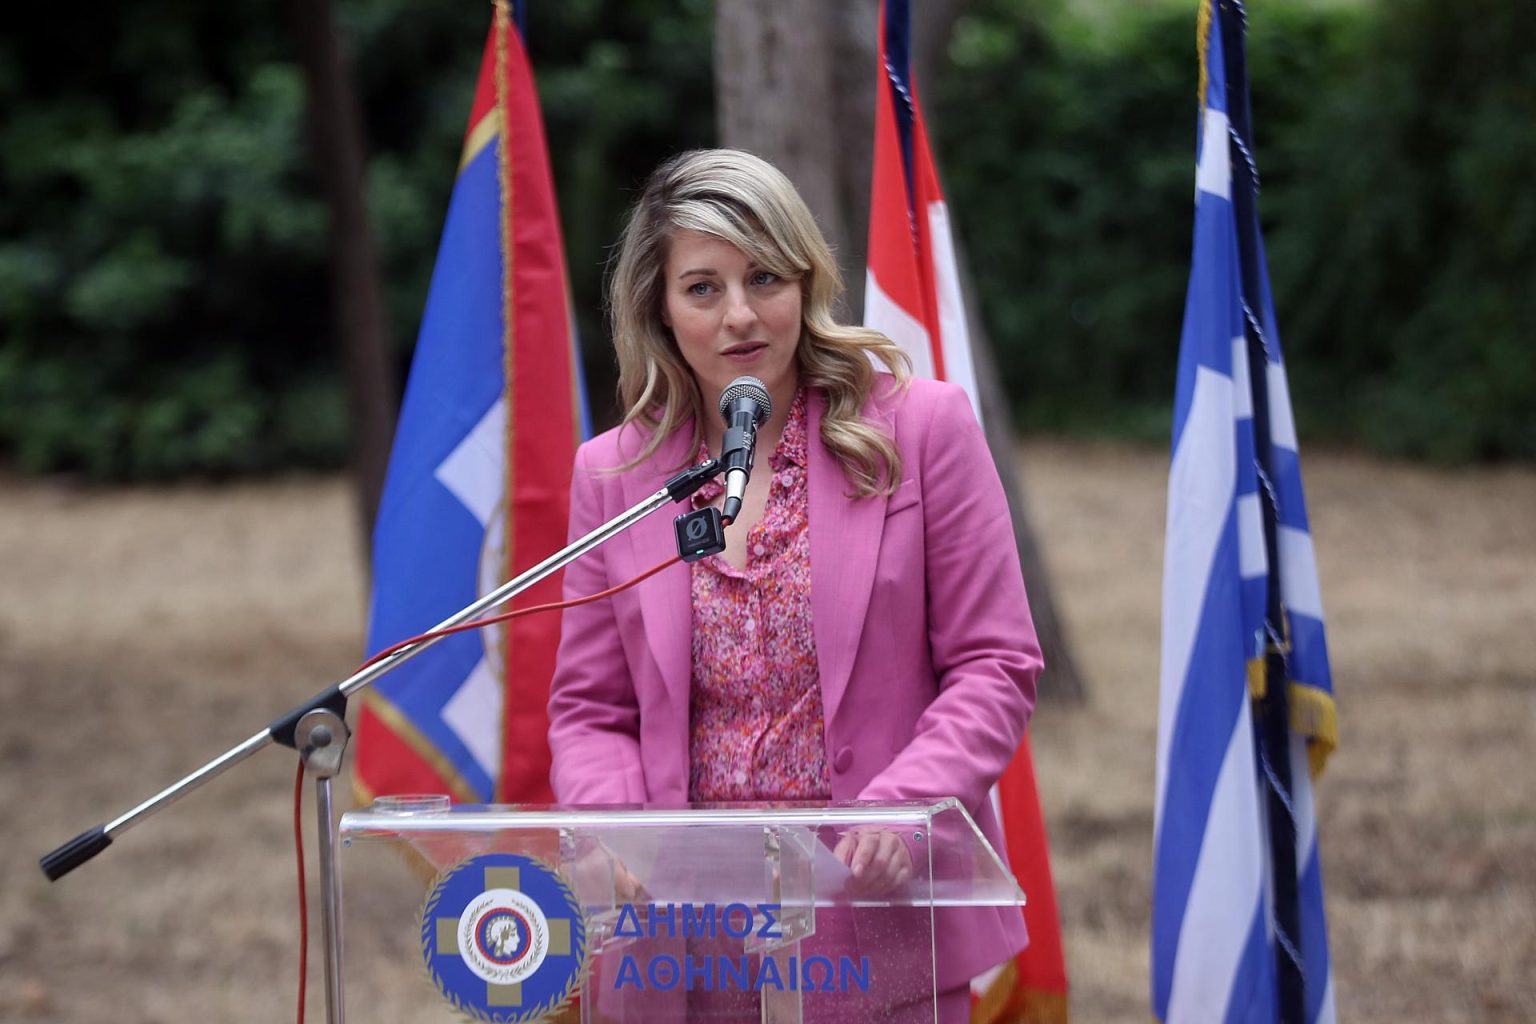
x=747, y=387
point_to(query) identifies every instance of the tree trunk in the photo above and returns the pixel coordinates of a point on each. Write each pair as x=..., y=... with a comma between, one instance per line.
x=773, y=81
x=795, y=83
x=336, y=142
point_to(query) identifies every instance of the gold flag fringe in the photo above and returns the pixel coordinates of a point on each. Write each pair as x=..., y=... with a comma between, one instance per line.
x=508, y=336
x=1005, y=1002
x=1202, y=41
x=1313, y=714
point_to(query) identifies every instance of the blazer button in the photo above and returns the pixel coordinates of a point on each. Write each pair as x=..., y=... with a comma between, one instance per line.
x=843, y=760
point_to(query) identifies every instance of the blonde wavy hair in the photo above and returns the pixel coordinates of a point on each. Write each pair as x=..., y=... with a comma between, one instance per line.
x=746, y=201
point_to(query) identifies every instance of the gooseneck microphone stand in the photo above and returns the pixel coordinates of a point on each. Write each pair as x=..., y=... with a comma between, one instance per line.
x=317, y=729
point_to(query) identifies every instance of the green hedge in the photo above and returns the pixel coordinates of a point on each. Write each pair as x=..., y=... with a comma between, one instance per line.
x=164, y=302
x=164, y=299
x=1396, y=151
x=154, y=203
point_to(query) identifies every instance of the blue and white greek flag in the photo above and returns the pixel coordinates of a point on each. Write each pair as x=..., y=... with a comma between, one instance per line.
x=1214, y=940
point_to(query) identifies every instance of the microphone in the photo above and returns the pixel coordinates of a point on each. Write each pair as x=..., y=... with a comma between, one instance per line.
x=745, y=406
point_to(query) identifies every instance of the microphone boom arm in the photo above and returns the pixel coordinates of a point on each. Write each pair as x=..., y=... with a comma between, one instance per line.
x=64, y=859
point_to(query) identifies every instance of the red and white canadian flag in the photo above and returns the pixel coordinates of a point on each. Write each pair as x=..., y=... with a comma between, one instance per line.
x=912, y=288
x=912, y=295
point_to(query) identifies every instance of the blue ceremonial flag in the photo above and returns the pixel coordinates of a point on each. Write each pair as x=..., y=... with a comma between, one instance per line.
x=479, y=477
x=1230, y=933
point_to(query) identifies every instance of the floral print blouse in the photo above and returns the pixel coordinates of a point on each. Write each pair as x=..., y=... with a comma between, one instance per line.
x=756, y=721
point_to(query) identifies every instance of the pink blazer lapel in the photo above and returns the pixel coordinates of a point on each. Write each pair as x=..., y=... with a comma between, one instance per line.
x=665, y=600
x=845, y=545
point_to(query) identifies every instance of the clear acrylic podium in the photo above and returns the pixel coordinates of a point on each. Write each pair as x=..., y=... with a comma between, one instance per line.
x=714, y=913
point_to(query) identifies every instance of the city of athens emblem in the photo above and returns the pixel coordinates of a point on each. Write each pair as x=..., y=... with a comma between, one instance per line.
x=503, y=938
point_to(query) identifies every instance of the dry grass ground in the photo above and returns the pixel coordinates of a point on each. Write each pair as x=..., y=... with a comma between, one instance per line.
x=144, y=631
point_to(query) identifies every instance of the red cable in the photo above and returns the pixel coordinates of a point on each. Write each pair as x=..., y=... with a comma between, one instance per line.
x=298, y=845
x=504, y=616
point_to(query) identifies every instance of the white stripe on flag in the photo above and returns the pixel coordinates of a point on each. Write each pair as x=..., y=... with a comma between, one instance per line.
x=473, y=471
x=1299, y=588
x=1306, y=853
x=882, y=313
x=1213, y=174
x=1327, y=1014
x=1242, y=383
x=474, y=715
x=1282, y=424
x=954, y=335
x=1226, y=890
x=1201, y=482
x=1251, y=557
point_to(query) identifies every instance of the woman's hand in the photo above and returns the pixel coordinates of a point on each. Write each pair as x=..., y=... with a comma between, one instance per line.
x=596, y=868
x=626, y=887
x=877, y=859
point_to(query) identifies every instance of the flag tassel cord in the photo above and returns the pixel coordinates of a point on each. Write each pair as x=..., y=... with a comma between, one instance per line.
x=1272, y=711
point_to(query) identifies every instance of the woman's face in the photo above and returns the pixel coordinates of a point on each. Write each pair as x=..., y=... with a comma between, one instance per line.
x=731, y=317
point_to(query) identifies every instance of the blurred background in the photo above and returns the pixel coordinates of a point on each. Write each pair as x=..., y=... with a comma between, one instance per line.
x=165, y=306
x=217, y=226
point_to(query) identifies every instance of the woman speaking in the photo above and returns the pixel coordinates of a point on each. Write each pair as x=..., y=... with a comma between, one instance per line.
x=865, y=634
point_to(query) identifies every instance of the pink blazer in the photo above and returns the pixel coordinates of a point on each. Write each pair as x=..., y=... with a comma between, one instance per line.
x=927, y=653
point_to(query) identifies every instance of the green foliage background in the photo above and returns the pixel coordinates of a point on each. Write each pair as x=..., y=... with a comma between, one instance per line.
x=164, y=304
x=163, y=292
x=1396, y=151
